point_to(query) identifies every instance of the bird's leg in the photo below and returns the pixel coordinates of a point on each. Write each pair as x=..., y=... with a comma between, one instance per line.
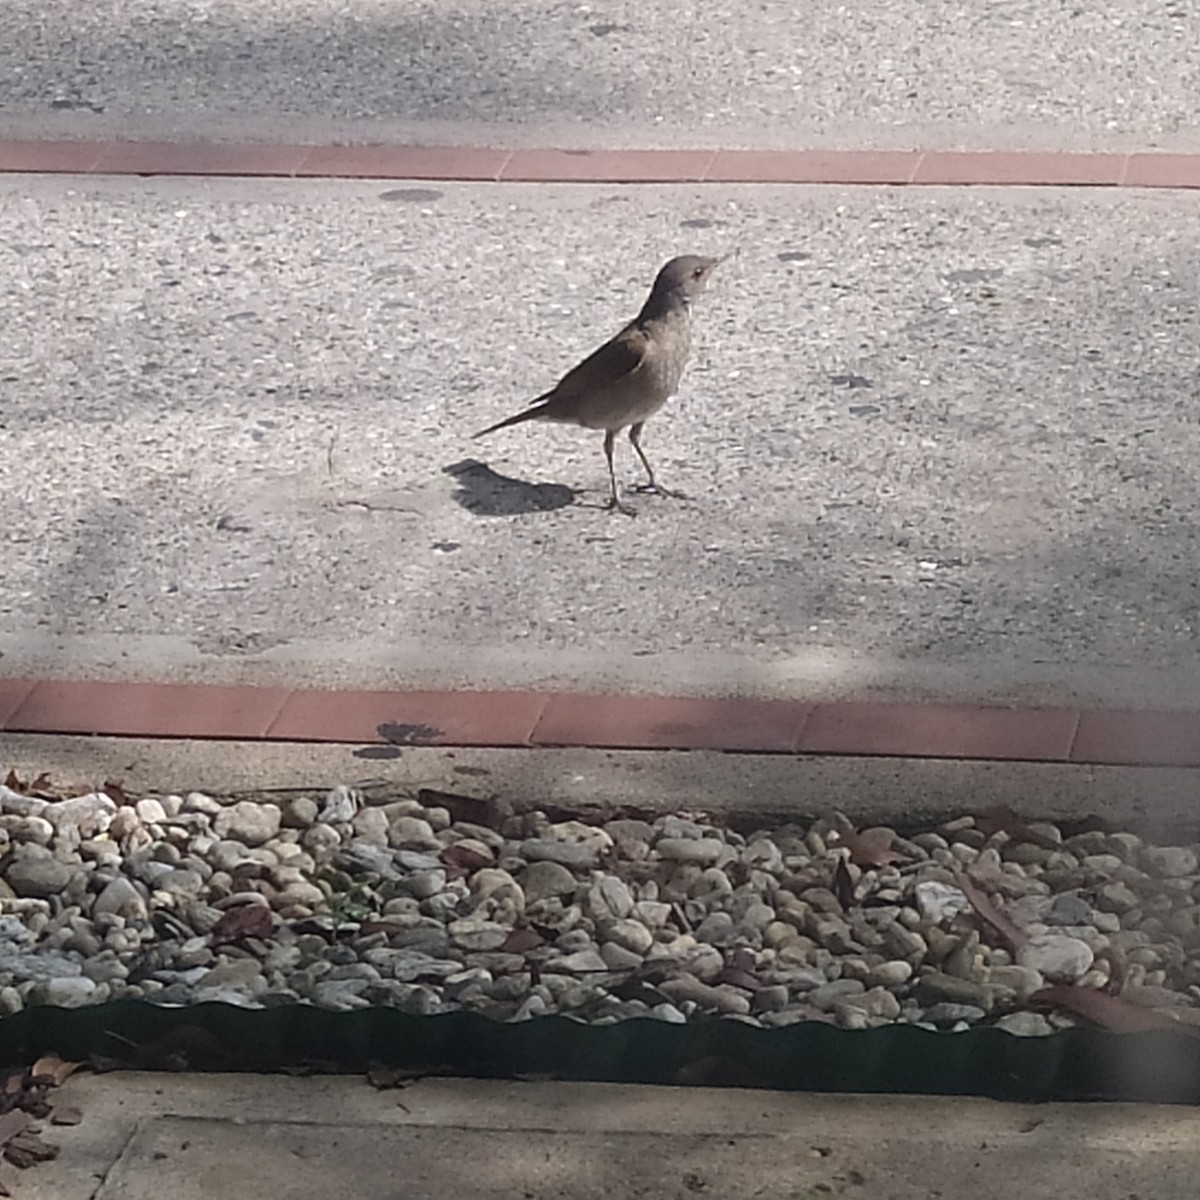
x=635, y=436
x=614, y=501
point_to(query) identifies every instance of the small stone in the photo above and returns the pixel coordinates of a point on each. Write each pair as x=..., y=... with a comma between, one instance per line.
x=890, y=974
x=631, y=935
x=716, y=929
x=1170, y=862
x=581, y=962
x=67, y=992
x=933, y=986
x=412, y=833
x=90, y=815
x=771, y=998
x=825, y=996
x=299, y=812
x=719, y=999
x=609, y=897
x=567, y=854
x=1115, y=897
x=248, y=822
x=341, y=803
x=939, y=902
x=1025, y=1024
x=37, y=876
x=1058, y=957
x=651, y=913
x=702, y=851
x=878, y=1004
x=617, y=958
x=544, y=880
x=946, y=1012
x=473, y=934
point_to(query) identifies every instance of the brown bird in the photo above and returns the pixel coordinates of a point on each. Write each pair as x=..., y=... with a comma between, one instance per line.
x=631, y=377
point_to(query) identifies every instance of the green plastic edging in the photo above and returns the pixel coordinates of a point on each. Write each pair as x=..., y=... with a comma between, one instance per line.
x=1161, y=1066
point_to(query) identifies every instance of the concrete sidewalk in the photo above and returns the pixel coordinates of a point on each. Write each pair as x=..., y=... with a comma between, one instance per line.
x=955, y=74
x=938, y=443
x=194, y=1137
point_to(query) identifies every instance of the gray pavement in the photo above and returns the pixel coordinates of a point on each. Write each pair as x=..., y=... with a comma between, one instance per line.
x=939, y=442
x=1047, y=75
x=202, y=1136
x=750, y=790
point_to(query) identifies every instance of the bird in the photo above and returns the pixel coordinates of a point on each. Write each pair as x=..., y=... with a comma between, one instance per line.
x=625, y=382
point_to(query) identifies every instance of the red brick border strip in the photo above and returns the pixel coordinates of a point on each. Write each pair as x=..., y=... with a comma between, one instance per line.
x=530, y=719
x=548, y=165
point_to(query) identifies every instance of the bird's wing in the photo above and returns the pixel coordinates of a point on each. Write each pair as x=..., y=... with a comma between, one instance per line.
x=615, y=360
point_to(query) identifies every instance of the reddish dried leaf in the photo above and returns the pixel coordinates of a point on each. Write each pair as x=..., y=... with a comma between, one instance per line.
x=490, y=813
x=872, y=848
x=116, y=793
x=740, y=979
x=1003, y=820
x=12, y=781
x=740, y=959
x=843, y=885
x=458, y=855
x=246, y=920
x=52, y=1070
x=520, y=941
x=27, y=1149
x=42, y=786
x=985, y=908
x=384, y=1076
x=1109, y=1012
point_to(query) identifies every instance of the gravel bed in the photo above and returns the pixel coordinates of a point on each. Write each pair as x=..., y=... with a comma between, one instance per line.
x=447, y=903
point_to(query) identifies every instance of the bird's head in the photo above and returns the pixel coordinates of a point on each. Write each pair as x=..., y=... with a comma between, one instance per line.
x=684, y=277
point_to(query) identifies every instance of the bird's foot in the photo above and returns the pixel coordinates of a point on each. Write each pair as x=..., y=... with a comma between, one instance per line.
x=657, y=489
x=615, y=505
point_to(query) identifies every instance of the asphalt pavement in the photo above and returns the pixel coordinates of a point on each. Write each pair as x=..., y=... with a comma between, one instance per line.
x=935, y=442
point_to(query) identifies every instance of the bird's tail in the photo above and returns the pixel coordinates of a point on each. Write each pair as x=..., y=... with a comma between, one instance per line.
x=534, y=413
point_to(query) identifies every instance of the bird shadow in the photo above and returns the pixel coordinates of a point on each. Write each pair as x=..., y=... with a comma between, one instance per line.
x=487, y=493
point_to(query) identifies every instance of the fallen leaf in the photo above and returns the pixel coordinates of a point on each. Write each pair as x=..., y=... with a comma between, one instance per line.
x=843, y=885
x=42, y=786
x=740, y=979
x=985, y=908
x=490, y=813
x=1109, y=1012
x=872, y=848
x=116, y=793
x=51, y=1069
x=383, y=1076
x=458, y=855
x=520, y=941
x=12, y=781
x=1003, y=820
x=27, y=1149
x=246, y=920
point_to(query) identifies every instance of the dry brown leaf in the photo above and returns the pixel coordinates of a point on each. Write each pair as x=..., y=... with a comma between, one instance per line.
x=246, y=920
x=521, y=941
x=490, y=813
x=116, y=793
x=52, y=1070
x=1003, y=820
x=27, y=1149
x=872, y=848
x=985, y=908
x=843, y=885
x=12, y=781
x=1109, y=1012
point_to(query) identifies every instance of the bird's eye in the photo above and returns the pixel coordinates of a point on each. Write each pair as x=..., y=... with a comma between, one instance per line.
x=698, y=273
